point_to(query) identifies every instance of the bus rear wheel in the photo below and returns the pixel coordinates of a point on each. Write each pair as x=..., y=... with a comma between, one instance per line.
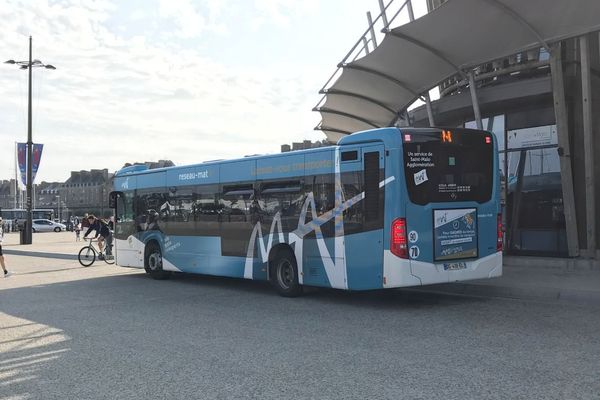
x=284, y=274
x=153, y=263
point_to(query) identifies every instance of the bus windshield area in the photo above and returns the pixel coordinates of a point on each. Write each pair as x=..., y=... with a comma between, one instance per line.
x=448, y=166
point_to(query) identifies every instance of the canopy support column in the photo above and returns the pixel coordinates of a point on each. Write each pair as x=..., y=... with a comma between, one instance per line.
x=564, y=149
x=588, y=140
x=475, y=100
x=429, y=109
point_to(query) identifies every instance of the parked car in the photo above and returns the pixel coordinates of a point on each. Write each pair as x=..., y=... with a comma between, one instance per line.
x=45, y=225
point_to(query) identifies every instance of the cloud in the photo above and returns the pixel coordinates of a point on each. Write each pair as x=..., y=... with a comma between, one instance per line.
x=116, y=99
x=281, y=12
x=192, y=19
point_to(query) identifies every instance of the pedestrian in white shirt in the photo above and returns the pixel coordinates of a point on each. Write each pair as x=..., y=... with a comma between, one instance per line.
x=6, y=273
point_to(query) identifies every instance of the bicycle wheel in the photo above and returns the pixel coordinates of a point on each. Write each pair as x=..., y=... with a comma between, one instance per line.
x=109, y=259
x=87, y=256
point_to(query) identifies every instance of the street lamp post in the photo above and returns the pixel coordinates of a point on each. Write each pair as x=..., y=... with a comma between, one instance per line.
x=29, y=65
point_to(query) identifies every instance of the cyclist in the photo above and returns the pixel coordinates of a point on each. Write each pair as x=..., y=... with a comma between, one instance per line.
x=102, y=233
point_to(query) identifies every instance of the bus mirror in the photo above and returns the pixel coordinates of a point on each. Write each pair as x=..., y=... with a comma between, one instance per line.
x=112, y=199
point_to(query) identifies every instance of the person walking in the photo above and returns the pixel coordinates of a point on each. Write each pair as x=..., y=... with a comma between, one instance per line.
x=77, y=232
x=6, y=273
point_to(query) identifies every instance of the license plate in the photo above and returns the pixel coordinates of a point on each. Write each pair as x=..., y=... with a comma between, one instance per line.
x=455, y=266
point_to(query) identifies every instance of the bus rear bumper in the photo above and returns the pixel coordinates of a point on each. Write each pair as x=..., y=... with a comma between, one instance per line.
x=399, y=272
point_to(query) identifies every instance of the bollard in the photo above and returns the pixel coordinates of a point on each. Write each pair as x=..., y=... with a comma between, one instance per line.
x=22, y=234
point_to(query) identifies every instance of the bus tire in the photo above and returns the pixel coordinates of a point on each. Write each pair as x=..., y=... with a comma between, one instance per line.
x=153, y=262
x=284, y=274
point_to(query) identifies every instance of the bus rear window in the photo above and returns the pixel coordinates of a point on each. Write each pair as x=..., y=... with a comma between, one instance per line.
x=448, y=166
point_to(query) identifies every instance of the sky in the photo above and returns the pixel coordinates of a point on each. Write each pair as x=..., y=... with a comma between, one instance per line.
x=183, y=80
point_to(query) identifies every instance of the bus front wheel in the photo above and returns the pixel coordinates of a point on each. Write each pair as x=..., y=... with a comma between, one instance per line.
x=153, y=262
x=284, y=274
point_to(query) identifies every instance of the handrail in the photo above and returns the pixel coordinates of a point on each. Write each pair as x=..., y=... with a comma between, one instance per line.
x=529, y=65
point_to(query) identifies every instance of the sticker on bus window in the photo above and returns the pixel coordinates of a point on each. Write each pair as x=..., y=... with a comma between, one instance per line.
x=421, y=177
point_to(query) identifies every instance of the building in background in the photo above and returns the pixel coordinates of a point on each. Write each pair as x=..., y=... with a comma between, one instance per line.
x=8, y=194
x=152, y=164
x=307, y=144
x=87, y=192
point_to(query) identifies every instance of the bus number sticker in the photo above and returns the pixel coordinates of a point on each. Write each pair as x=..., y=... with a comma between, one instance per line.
x=413, y=237
x=414, y=252
x=421, y=177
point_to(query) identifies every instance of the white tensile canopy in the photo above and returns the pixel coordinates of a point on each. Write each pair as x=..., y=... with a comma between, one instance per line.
x=457, y=36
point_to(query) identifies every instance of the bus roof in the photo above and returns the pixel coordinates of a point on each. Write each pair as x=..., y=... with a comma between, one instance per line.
x=385, y=135
x=259, y=167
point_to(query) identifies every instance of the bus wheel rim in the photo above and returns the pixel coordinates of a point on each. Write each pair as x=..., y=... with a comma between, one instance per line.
x=285, y=274
x=155, y=261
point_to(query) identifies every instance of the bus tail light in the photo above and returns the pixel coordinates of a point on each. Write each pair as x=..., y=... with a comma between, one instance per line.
x=500, y=236
x=398, y=245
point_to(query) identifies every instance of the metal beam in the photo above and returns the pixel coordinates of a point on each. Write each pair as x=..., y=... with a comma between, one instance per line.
x=411, y=14
x=373, y=38
x=516, y=201
x=383, y=15
x=358, y=96
x=475, y=100
x=347, y=115
x=429, y=109
x=381, y=74
x=562, y=128
x=365, y=47
x=588, y=140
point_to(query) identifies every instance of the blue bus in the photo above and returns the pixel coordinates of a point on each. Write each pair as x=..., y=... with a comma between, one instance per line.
x=384, y=208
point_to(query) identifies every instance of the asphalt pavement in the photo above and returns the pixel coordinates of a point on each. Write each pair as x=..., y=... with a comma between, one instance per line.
x=106, y=332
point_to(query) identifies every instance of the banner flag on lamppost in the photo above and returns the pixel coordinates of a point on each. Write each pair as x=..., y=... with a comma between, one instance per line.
x=22, y=159
x=37, y=157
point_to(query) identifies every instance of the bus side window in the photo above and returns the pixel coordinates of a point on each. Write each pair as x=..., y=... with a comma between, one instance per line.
x=236, y=202
x=372, y=211
x=323, y=190
x=283, y=197
x=352, y=186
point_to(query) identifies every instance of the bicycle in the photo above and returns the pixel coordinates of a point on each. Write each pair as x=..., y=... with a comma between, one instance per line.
x=87, y=255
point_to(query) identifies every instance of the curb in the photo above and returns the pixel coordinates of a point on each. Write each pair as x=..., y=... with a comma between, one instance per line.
x=570, y=296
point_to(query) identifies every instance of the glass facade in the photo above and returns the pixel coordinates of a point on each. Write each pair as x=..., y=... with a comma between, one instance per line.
x=535, y=214
x=531, y=186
